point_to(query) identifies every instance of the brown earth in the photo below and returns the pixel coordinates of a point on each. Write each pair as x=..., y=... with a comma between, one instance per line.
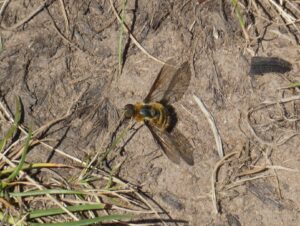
x=50, y=74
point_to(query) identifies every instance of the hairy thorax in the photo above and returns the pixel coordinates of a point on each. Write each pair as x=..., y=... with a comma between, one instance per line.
x=154, y=113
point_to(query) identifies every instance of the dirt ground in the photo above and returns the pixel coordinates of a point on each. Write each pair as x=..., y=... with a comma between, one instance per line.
x=52, y=63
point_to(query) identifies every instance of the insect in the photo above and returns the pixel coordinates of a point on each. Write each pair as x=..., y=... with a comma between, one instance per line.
x=159, y=116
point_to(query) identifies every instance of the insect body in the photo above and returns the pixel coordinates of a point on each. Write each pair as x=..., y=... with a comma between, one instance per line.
x=155, y=114
x=159, y=116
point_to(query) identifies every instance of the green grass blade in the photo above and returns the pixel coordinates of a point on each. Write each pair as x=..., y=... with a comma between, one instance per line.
x=1, y=45
x=55, y=211
x=294, y=84
x=18, y=111
x=15, y=125
x=115, y=142
x=238, y=13
x=113, y=172
x=31, y=166
x=21, y=163
x=47, y=191
x=109, y=218
x=5, y=218
x=120, y=45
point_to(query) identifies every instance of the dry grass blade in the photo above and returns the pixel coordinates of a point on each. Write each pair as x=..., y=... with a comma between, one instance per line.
x=214, y=179
x=63, y=36
x=289, y=19
x=31, y=15
x=63, y=9
x=3, y=7
x=244, y=180
x=40, y=187
x=132, y=37
x=129, y=198
x=268, y=103
x=283, y=168
x=276, y=16
x=212, y=124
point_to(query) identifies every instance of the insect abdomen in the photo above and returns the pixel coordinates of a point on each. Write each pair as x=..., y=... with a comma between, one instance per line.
x=161, y=118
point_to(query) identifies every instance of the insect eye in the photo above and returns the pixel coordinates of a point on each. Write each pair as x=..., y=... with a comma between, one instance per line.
x=129, y=110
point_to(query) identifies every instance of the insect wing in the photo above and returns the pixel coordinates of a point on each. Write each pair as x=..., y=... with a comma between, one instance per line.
x=170, y=84
x=175, y=145
x=182, y=144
